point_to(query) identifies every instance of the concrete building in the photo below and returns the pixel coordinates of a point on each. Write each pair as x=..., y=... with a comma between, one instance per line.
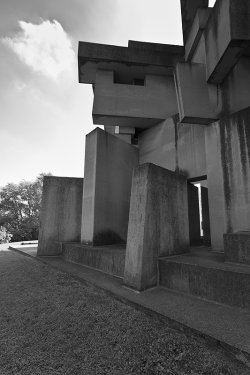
x=174, y=117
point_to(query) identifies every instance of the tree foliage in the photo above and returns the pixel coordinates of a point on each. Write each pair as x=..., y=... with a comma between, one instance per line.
x=20, y=208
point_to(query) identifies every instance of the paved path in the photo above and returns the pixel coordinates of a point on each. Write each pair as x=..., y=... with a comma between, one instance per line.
x=51, y=323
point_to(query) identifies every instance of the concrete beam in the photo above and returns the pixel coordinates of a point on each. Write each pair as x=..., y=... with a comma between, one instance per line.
x=227, y=36
x=158, y=223
x=192, y=94
x=60, y=218
x=132, y=105
x=188, y=11
x=126, y=62
x=196, y=30
x=109, y=164
x=124, y=130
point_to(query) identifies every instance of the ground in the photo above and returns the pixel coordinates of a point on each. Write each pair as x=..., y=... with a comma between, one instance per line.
x=51, y=323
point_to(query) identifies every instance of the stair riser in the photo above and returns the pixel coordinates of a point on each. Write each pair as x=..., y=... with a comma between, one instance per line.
x=108, y=262
x=227, y=287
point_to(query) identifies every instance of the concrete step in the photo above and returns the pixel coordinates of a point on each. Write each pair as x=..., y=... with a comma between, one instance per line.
x=206, y=275
x=108, y=259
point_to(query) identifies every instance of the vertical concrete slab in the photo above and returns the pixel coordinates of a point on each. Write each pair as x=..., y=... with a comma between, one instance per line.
x=228, y=163
x=109, y=164
x=158, y=223
x=188, y=11
x=61, y=213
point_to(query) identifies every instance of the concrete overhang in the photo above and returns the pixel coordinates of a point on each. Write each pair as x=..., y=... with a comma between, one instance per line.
x=134, y=61
x=227, y=37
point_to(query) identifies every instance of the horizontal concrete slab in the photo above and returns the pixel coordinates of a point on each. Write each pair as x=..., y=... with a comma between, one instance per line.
x=211, y=279
x=126, y=62
x=109, y=259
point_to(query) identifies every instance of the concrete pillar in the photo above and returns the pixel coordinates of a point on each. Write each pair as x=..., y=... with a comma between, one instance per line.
x=109, y=164
x=60, y=218
x=228, y=166
x=158, y=223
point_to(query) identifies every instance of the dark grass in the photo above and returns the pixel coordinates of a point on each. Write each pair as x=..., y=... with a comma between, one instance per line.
x=51, y=323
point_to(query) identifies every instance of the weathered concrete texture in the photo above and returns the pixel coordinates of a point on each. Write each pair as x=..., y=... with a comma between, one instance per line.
x=128, y=63
x=61, y=213
x=237, y=247
x=228, y=161
x=132, y=105
x=124, y=137
x=170, y=48
x=227, y=35
x=198, y=25
x=192, y=94
x=106, y=259
x=188, y=11
x=208, y=279
x=175, y=146
x=109, y=164
x=158, y=223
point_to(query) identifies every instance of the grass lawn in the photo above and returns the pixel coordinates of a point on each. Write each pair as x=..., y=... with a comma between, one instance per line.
x=51, y=323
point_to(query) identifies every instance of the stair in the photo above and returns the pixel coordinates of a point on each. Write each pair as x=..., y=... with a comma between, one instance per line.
x=108, y=259
x=205, y=275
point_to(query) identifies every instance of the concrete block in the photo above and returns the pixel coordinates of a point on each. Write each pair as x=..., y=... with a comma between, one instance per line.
x=192, y=94
x=158, y=223
x=188, y=11
x=60, y=218
x=228, y=166
x=196, y=30
x=106, y=259
x=227, y=36
x=109, y=164
x=237, y=247
x=175, y=146
x=131, y=105
x=127, y=63
x=214, y=281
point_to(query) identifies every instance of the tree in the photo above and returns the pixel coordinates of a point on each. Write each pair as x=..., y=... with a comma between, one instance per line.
x=20, y=206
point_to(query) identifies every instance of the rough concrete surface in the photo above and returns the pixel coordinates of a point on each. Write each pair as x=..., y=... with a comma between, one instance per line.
x=61, y=213
x=68, y=328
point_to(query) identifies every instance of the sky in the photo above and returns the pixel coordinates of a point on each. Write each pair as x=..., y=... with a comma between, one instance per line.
x=45, y=113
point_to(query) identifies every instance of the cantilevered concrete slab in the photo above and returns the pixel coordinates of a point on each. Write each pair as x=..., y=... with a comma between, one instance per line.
x=133, y=105
x=227, y=36
x=127, y=62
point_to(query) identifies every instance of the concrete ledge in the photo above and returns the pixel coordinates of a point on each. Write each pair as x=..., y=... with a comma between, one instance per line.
x=208, y=279
x=109, y=259
x=237, y=247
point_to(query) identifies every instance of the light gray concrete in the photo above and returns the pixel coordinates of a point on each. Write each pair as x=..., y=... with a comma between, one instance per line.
x=227, y=35
x=192, y=94
x=158, y=223
x=60, y=218
x=109, y=164
x=131, y=105
x=128, y=63
x=175, y=146
x=227, y=145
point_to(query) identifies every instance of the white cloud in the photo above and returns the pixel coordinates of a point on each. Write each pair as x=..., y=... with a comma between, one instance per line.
x=46, y=48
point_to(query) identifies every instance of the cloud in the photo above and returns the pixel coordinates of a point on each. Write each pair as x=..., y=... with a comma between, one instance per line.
x=46, y=48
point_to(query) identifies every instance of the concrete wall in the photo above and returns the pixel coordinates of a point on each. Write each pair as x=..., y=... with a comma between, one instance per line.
x=175, y=146
x=61, y=213
x=109, y=164
x=158, y=223
x=117, y=104
x=227, y=147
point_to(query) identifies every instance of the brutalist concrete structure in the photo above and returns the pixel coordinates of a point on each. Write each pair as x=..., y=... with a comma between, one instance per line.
x=173, y=116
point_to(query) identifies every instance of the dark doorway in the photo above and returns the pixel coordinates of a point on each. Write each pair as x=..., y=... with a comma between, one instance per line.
x=198, y=213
